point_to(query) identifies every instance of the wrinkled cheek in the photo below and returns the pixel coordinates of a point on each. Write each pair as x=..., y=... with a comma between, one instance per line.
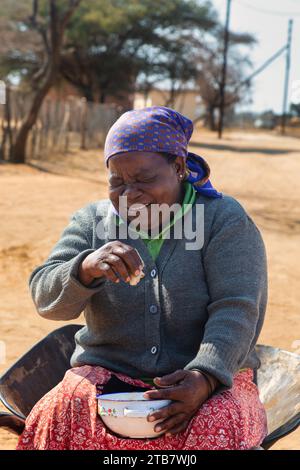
x=114, y=198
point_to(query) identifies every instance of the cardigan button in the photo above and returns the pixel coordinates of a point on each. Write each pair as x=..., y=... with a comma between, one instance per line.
x=153, y=273
x=154, y=350
x=153, y=309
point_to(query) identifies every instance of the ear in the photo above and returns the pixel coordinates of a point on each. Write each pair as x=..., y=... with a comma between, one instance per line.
x=180, y=167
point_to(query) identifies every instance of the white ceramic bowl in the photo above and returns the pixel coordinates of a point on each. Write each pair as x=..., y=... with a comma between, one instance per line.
x=126, y=414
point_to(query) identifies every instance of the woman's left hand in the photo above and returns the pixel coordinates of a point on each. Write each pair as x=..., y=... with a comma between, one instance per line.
x=188, y=395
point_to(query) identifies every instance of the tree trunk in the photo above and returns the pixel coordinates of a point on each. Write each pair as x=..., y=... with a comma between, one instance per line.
x=170, y=103
x=87, y=93
x=83, y=125
x=102, y=97
x=18, y=154
x=6, y=129
x=212, y=118
x=57, y=25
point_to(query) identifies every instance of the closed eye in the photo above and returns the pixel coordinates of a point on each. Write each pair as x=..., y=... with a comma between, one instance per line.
x=116, y=183
x=147, y=180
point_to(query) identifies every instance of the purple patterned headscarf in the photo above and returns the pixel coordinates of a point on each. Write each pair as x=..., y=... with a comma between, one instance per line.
x=163, y=130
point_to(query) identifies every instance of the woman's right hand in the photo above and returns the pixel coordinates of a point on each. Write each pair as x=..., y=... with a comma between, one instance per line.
x=114, y=261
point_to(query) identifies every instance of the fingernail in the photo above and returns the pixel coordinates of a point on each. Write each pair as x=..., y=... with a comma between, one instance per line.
x=117, y=280
x=127, y=279
x=151, y=418
x=137, y=272
x=158, y=428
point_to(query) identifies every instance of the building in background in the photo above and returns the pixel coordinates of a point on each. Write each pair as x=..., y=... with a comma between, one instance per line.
x=187, y=102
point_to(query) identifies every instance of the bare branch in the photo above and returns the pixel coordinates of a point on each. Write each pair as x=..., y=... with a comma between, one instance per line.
x=42, y=30
x=41, y=73
x=73, y=4
x=35, y=8
x=43, y=33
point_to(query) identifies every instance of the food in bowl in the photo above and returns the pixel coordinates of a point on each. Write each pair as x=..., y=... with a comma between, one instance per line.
x=126, y=414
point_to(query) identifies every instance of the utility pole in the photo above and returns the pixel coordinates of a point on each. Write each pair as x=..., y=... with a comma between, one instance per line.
x=287, y=76
x=224, y=71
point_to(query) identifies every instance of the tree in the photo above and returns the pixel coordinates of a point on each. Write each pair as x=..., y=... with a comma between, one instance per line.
x=104, y=50
x=113, y=47
x=295, y=109
x=209, y=75
x=120, y=43
x=48, y=20
x=172, y=65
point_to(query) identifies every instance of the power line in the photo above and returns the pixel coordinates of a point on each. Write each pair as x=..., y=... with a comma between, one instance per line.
x=265, y=65
x=261, y=68
x=268, y=12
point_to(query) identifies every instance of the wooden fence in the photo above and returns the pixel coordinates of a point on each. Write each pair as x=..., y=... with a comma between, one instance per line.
x=62, y=126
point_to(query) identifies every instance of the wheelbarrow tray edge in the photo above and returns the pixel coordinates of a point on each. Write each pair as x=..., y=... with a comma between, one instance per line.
x=282, y=431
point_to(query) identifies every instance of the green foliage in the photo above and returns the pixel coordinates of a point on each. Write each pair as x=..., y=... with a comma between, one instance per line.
x=118, y=41
x=110, y=46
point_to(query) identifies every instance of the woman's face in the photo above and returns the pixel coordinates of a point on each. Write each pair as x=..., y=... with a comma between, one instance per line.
x=146, y=178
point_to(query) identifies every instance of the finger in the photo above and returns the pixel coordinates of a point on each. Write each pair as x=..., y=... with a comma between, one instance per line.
x=108, y=272
x=171, y=379
x=170, y=423
x=134, y=251
x=139, y=258
x=179, y=428
x=118, y=266
x=165, y=412
x=131, y=258
x=177, y=393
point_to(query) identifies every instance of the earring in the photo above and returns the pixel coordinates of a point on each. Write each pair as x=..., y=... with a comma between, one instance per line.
x=180, y=176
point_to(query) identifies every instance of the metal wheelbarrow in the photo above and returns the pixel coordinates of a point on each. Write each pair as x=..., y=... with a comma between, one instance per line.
x=45, y=365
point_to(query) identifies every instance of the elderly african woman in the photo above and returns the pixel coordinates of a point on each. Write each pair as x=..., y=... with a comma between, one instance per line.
x=186, y=331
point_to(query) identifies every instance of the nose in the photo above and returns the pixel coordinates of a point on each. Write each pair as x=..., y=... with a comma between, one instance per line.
x=132, y=193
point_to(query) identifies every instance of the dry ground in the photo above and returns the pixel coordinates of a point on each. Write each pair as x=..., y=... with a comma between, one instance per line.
x=260, y=170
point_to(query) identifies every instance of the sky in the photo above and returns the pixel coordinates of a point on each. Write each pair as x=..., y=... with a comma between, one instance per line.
x=267, y=20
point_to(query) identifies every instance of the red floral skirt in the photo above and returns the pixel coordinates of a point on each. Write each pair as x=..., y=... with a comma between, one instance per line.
x=66, y=418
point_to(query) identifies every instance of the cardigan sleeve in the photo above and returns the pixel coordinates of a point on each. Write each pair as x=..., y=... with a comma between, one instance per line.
x=55, y=289
x=236, y=273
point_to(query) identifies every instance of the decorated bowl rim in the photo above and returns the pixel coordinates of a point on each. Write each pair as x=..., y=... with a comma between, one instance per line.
x=110, y=397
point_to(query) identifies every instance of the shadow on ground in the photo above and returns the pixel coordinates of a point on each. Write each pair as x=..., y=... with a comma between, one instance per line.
x=235, y=148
